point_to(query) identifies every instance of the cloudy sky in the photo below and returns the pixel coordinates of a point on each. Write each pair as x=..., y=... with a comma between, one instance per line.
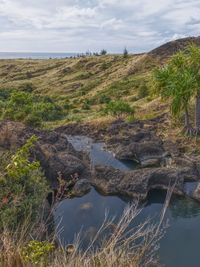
x=81, y=25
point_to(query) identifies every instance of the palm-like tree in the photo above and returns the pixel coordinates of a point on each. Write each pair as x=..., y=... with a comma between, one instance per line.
x=179, y=81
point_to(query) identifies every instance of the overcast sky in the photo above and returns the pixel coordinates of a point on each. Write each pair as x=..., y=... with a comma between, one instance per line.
x=81, y=25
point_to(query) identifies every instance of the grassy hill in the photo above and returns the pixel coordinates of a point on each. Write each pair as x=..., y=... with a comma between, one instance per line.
x=82, y=86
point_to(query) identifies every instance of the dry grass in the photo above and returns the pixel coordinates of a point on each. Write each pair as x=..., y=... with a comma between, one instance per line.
x=120, y=245
x=73, y=81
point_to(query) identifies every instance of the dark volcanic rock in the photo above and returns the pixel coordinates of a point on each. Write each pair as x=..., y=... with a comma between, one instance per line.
x=56, y=155
x=146, y=153
x=81, y=188
x=136, y=141
x=138, y=183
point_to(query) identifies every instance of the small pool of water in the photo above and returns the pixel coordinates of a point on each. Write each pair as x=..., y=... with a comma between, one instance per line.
x=98, y=154
x=180, y=247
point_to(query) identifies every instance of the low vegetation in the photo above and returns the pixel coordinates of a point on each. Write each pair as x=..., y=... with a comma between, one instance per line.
x=73, y=89
x=24, y=238
x=23, y=188
x=30, y=108
x=54, y=92
x=119, y=109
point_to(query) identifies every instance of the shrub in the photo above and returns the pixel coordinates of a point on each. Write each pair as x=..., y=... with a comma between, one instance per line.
x=47, y=111
x=5, y=93
x=87, y=104
x=105, y=65
x=84, y=75
x=37, y=252
x=23, y=188
x=27, y=87
x=33, y=120
x=103, y=52
x=29, y=108
x=143, y=91
x=104, y=99
x=119, y=108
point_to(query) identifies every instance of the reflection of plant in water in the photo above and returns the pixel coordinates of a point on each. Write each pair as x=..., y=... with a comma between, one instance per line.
x=86, y=206
x=65, y=186
x=184, y=208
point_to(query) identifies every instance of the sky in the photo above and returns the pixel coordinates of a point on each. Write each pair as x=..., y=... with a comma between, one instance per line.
x=92, y=25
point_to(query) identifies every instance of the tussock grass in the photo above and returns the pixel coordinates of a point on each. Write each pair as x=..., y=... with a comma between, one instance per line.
x=120, y=245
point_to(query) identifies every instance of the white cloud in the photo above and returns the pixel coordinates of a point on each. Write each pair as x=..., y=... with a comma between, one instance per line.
x=70, y=25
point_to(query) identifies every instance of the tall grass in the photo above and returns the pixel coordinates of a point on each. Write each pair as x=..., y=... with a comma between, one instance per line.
x=120, y=245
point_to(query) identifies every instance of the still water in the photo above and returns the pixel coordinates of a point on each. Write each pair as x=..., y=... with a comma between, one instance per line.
x=180, y=247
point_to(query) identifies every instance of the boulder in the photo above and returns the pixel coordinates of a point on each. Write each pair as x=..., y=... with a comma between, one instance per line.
x=81, y=188
x=196, y=192
x=147, y=153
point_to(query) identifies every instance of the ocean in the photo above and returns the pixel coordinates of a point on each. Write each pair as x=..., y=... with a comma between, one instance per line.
x=34, y=55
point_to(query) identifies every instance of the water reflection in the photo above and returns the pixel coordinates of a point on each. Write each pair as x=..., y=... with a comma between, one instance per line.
x=97, y=153
x=184, y=208
x=179, y=247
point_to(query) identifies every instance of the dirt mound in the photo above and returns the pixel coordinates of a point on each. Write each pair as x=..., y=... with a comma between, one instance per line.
x=170, y=48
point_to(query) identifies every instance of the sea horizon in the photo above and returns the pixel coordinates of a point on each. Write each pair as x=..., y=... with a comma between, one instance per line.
x=36, y=55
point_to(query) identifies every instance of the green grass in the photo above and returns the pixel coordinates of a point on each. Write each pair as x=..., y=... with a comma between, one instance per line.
x=80, y=87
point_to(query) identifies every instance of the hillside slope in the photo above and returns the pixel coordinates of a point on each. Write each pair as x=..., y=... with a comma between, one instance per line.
x=82, y=86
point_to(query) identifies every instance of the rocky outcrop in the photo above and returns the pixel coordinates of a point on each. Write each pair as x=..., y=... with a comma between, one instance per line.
x=147, y=153
x=138, y=183
x=56, y=155
x=138, y=142
x=161, y=163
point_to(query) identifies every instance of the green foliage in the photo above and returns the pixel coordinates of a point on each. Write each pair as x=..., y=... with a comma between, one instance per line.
x=23, y=188
x=84, y=75
x=27, y=87
x=119, y=108
x=105, y=65
x=27, y=107
x=37, y=252
x=130, y=118
x=122, y=87
x=143, y=91
x=103, y=99
x=87, y=104
x=179, y=80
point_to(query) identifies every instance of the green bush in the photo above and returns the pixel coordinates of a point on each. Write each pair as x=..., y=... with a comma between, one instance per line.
x=87, y=104
x=37, y=252
x=23, y=188
x=103, y=99
x=84, y=75
x=119, y=108
x=105, y=65
x=27, y=87
x=143, y=91
x=5, y=93
x=33, y=120
x=29, y=108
